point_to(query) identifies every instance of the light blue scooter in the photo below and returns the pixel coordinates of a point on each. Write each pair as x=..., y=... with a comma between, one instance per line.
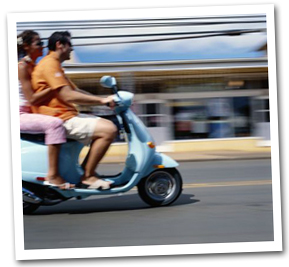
x=155, y=174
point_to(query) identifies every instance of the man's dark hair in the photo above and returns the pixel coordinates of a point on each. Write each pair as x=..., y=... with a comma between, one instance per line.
x=62, y=37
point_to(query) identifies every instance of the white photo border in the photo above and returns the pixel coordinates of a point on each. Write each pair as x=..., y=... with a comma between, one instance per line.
x=22, y=254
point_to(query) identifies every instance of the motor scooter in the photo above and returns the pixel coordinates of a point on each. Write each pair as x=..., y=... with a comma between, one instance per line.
x=154, y=174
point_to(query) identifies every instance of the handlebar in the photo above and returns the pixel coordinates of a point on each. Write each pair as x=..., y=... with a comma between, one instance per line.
x=114, y=91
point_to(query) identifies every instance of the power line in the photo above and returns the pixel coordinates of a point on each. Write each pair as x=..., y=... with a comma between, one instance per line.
x=161, y=34
x=108, y=26
x=231, y=33
x=138, y=20
x=157, y=22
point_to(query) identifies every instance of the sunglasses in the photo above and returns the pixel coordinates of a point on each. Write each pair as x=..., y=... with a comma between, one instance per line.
x=40, y=43
x=70, y=44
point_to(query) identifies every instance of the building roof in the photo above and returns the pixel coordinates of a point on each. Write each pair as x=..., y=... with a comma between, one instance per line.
x=155, y=68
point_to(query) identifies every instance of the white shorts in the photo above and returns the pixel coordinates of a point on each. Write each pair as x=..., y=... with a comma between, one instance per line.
x=81, y=127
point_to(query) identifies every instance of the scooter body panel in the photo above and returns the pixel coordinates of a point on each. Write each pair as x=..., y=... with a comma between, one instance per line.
x=34, y=161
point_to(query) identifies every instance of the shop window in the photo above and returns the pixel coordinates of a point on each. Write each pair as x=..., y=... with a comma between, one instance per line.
x=190, y=120
x=261, y=117
x=242, y=118
x=212, y=118
x=150, y=114
x=261, y=110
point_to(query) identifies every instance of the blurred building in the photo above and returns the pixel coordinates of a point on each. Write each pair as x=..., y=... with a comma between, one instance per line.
x=192, y=99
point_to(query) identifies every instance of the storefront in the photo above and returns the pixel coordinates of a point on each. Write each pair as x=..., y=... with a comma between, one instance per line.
x=188, y=99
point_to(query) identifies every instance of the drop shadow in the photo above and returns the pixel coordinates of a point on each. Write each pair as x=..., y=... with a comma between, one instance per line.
x=107, y=204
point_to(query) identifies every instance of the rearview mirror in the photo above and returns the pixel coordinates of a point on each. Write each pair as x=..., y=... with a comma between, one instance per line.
x=108, y=81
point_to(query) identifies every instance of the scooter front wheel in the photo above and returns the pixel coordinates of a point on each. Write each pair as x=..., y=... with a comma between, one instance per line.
x=161, y=188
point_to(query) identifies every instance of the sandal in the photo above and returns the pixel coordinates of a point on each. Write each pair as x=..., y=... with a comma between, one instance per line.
x=98, y=184
x=64, y=186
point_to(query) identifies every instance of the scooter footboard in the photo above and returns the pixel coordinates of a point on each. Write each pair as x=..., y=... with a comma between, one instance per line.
x=158, y=160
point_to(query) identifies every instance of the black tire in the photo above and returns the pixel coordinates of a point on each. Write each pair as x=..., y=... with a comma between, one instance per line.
x=161, y=188
x=29, y=208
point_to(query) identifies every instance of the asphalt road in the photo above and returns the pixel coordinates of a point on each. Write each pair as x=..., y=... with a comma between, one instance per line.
x=222, y=201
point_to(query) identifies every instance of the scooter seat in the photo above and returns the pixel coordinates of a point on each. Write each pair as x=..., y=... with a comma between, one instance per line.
x=37, y=138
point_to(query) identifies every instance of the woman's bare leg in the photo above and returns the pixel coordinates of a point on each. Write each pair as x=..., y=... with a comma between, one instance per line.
x=53, y=171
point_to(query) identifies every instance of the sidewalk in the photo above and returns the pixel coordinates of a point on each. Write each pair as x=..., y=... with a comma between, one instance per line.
x=200, y=156
x=198, y=150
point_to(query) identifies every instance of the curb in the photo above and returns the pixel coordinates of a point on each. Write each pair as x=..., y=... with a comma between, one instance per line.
x=195, y=157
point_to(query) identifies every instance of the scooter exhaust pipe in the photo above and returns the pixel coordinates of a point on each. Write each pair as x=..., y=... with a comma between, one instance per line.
x=30, y=197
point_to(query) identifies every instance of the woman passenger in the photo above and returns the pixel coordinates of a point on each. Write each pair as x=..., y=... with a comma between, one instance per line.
x=30, y=47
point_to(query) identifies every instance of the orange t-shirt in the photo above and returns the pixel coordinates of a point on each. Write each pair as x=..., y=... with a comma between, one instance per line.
x=49, y=74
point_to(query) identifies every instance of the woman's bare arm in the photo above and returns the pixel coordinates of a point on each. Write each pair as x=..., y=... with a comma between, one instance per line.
x=33, y=98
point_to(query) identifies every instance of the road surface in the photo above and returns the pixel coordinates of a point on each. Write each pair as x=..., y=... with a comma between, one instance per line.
x=222, y=201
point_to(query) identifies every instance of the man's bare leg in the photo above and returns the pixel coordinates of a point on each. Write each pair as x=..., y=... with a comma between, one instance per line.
x=104, y=135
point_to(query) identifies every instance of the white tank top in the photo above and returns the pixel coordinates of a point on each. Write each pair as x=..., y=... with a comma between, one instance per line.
x=22, y=100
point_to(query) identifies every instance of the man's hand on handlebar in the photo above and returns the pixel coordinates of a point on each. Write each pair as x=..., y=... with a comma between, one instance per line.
x=109, y=101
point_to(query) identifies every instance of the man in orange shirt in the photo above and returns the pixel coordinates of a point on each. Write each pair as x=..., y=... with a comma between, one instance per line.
x=97, y=132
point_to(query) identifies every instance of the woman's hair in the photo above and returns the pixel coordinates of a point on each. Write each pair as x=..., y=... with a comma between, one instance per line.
x=62, y=37
x=25, y=37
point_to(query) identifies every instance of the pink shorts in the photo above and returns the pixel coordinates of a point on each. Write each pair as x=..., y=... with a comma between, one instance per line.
x=37, y=123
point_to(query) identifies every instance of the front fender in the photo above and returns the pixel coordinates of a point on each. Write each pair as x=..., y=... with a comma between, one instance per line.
x=160, y=159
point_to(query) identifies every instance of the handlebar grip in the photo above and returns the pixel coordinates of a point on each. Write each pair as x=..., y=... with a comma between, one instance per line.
x=107, y=104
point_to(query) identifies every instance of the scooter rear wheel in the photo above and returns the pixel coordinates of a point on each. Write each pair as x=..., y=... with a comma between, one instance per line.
x=161, y=188
x=29, y=208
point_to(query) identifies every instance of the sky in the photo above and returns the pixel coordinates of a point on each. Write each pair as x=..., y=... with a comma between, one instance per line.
x=119, y=49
